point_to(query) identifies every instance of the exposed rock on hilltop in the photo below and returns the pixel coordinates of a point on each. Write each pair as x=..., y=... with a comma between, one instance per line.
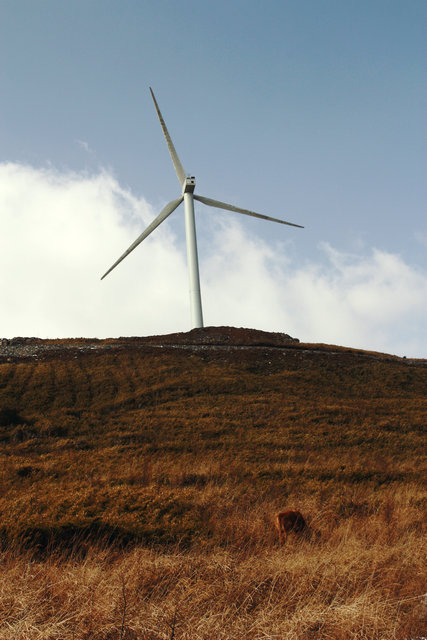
x=226, y=336
x=22, y=348
x=212, y=339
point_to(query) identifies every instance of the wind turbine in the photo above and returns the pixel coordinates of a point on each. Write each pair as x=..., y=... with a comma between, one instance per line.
x=188, y=184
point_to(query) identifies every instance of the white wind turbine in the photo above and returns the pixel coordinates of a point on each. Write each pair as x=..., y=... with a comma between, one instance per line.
x=188, y=184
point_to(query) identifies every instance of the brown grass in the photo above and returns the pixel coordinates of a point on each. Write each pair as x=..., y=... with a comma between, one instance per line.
x=354, y=584
x=138, y=489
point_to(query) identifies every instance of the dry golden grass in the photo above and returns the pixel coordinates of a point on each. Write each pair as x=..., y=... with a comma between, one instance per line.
x=356, y=583
x=138, y=488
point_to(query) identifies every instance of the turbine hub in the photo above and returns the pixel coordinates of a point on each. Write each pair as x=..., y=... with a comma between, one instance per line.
x=189, y=184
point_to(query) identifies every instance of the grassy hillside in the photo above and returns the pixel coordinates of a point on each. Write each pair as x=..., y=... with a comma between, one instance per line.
x=189, y=444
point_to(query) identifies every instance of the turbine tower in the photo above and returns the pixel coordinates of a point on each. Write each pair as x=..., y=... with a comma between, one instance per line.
x=188, y=184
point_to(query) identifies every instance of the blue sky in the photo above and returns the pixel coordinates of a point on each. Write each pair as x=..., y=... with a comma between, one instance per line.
x=311, y=111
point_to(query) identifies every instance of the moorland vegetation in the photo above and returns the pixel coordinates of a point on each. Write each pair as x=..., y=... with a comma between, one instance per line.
x=139, y=483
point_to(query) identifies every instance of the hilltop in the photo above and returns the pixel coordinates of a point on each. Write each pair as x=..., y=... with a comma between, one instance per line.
x=17, y=348
x=189, y=443
x=233, y=338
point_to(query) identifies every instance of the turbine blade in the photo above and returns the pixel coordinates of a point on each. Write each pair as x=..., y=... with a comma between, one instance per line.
x=179, y=169
x=230, y=207
x=165, y=212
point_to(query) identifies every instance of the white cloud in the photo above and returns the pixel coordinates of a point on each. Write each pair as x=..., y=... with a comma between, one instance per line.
x=375, y=302
x=84, y=145
x=60, y=233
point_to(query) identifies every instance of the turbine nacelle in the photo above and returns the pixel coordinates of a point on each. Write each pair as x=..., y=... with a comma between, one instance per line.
x=188, y=184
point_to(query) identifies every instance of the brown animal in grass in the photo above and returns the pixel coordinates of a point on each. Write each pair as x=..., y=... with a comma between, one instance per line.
x=289, y=522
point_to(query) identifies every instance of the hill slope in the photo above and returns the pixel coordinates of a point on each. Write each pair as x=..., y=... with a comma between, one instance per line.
x=129, y=434
x=181, y=449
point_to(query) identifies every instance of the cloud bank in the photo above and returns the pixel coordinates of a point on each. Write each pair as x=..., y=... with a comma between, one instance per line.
x=61, y=231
